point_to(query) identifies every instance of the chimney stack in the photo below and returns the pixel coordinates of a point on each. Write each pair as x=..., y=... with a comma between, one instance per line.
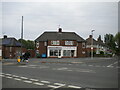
x=60, y=30
x=90, y=36
x=5, y=36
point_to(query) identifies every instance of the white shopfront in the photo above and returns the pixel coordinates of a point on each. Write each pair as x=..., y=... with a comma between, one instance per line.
x=61, y=51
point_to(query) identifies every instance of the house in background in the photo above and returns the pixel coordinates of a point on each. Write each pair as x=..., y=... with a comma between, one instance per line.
x=11, y=48
x=98, y=46
x=60, y=44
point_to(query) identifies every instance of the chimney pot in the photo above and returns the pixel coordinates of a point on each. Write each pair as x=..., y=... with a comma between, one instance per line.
x=5, y=36
x=60, y=30
x=90, y=36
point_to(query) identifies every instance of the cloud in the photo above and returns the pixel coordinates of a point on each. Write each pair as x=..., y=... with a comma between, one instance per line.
x=78, y=17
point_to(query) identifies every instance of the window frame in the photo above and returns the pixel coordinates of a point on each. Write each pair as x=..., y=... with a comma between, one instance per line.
x=55, y=42
x=69, y=43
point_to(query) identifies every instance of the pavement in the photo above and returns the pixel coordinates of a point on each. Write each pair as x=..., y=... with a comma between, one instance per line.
x=51, y=73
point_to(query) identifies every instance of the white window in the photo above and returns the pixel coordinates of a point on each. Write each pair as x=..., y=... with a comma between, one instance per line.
x=45, y=43
x=37, y=45
x=55, y=42
x=10, y=49
x=83, y=52
x=37, y=51
x=83, y=45
x=68, y=42
x=0, y=52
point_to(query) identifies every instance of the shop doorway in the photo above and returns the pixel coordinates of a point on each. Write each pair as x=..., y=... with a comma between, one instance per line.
x=72, y=53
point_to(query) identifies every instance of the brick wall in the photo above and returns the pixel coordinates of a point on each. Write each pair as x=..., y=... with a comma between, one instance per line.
x=42, y=48
x=13, y=53
x=80, y=50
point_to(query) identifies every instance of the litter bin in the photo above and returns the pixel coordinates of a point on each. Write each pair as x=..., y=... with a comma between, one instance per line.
x=43, y=55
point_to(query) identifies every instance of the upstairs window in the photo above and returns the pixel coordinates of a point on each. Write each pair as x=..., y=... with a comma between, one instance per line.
x=68, y=42
x=37, y=45
x=45, y=43
x=55, y=42
x=83, y=45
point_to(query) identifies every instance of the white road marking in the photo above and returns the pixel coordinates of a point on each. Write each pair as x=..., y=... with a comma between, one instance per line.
x=60, y=84
x=27, y=81
x=34, y=79
x=23, y=78
x=8, y=74
x=38, y=83
x=43, y=67
x=69, y=70
x=64, y=68
x=17, y=79
x=15, y=76
x=2, y=75
x=71, y=86
x=83, y=71
x=90, y=65
x=53, y=86
x=22, y=66
x=45, y=81
x=9, y=77
x=32, y=65
x=112, y=64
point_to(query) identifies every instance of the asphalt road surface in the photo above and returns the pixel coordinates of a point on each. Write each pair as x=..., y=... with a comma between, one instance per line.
x=60, y=73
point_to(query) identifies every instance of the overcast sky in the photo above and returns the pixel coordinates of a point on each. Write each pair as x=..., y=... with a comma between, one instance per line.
x=79, y=17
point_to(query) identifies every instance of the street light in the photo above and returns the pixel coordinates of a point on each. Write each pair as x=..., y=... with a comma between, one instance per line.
x=92, y=44
x=21, y=34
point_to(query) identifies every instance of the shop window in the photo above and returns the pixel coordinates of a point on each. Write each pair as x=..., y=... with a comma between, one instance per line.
x=67, y=53
x=55, y=52
x=55, y=43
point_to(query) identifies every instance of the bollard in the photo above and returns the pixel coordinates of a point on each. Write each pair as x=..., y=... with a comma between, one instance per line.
x=18, y=59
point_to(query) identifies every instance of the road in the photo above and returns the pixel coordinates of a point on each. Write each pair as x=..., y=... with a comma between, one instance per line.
x=60, y=73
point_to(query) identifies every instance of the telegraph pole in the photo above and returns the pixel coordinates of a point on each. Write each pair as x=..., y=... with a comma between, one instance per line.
x=92, y=44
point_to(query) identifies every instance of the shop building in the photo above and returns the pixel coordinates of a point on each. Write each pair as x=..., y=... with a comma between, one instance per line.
x=60, y=44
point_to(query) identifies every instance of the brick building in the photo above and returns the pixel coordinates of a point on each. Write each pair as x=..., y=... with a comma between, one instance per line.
x=98, y=46
x=11, y=48
x=60, y=44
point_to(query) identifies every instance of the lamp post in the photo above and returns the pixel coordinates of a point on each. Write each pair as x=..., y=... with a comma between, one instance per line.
x=92, y=44
x=21, y=34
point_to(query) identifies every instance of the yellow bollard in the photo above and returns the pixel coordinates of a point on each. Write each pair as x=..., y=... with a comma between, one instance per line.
x=18, y=60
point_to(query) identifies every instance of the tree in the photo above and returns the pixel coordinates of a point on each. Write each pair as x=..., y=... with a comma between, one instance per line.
x=113, y=42
x=110, y=41
x=117, y=41
x=28, y=44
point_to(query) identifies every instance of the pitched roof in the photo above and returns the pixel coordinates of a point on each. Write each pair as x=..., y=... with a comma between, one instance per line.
x=88, y=41
x=10, y=42
x=59, y=36
x=95, y=42
x=101, y=43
